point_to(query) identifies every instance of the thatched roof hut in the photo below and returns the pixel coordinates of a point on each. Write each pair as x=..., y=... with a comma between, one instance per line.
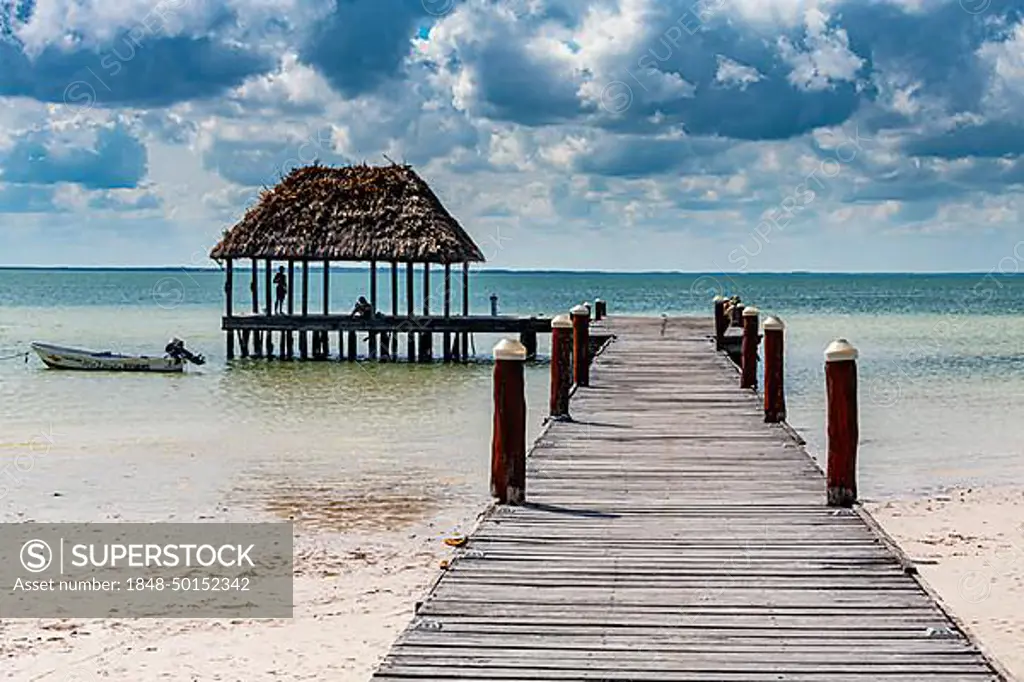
x=354, y=213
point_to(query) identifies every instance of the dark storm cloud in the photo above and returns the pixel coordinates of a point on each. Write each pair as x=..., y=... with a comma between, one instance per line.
x=160, y=72
x=362, y=43
x=116, y=160
x=988, y=140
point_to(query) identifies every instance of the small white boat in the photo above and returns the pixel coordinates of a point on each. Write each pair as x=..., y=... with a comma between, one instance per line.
x=60, y=357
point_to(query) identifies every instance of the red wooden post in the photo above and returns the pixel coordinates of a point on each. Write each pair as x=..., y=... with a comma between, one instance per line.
x=508, y=441
x=843, y=430
x=581, y=345
x=748, y=350
x=561, y=366
x=721, y=320
x=774, y=359
x=736, y=312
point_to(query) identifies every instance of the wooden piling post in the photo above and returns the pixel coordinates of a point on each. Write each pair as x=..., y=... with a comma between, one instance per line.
x=721, y=321
x=229, y=296
x=843, y=430
x=268, y=290
x=529, y=341
x=774, y=361
x=580, y=345
x=748, y=349
x=508, y=441
x=409, y=296
x=353, y=346
x=394, y=307
x=245, y=342
x=736, y=313
x=291, y=306
x=447, y=337
x=600, y=309
x=303, y=337
x=464, y=341
x=254, y=287
x=561, y=366
x=426, y=338
x=372, y=343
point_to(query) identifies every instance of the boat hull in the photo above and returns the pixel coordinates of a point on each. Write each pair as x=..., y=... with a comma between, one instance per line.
x=59, y=357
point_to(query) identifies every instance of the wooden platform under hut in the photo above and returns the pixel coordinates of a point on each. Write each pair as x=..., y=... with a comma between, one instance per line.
x=381, y=215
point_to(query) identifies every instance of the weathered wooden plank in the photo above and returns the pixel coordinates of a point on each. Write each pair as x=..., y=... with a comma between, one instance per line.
x=672, y=535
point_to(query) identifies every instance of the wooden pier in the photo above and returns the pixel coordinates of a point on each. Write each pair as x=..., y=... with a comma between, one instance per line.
x=669, y=533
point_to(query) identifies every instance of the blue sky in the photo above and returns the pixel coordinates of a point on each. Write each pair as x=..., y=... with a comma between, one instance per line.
x=740, y=135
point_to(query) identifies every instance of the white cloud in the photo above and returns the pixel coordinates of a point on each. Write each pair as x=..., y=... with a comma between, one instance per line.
x=733, y=74
x=827, y=59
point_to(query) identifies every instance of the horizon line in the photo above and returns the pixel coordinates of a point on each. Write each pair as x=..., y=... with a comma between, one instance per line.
x=556, y=271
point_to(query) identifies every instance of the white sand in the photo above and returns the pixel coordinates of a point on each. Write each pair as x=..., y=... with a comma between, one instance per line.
x=354, y=594
x=970, y=543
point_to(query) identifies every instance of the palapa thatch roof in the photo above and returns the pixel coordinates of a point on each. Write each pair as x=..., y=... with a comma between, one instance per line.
x=353, y=213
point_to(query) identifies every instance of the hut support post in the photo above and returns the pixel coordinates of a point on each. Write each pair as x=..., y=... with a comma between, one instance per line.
x=373, y=305
x=561, y=366
x=426, y=338
x=325, y=337
x=394, y=307
x=748, y=365
x=291, y=306
x=447, y=340
x=303, y=337
x=843, y=430
x=268, y=291
x=581, y=345
x=508, y=439
x=254, y=286
x=409, y=310
x=464, y=346
x=229, y=291
x=353, y=345
x=774, y=358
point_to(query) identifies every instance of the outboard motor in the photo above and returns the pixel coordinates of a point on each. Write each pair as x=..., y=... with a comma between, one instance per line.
x=176, y=349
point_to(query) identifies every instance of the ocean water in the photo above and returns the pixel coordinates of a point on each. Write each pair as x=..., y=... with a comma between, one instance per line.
x=357, y=447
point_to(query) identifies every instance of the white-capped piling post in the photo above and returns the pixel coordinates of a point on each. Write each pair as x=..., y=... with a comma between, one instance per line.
x=748, y=349
x=843, y=429
x=508, y=440
x=580, y=345
x=561, y=366
x=599, y=309
x=721, y=320
x=774, y=360
x=736, y=313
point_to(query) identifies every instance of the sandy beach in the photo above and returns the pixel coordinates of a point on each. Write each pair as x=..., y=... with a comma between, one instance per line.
x=354, y=594
x=969, y=547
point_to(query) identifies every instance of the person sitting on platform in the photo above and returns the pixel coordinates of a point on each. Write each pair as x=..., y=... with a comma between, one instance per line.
x=363, y=308
x=282, y=290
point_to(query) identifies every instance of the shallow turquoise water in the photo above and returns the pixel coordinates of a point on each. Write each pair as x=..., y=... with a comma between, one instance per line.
x=942, y=392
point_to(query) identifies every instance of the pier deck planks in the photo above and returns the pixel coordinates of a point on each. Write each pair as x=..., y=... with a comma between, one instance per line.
x=672, y=535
